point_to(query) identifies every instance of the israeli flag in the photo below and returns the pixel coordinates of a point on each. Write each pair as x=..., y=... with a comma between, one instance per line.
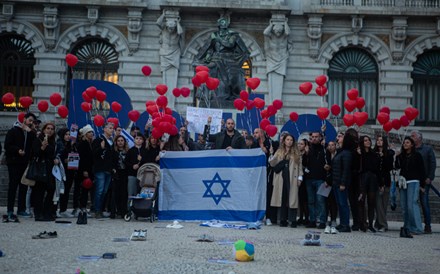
x=213, y=184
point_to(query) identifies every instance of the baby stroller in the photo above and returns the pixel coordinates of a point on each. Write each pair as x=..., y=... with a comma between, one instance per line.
x=144, y=204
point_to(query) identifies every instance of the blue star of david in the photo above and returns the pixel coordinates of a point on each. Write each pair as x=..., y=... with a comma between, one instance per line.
x=216, y=180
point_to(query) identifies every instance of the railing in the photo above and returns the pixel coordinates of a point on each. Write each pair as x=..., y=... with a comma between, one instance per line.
x=383, y=3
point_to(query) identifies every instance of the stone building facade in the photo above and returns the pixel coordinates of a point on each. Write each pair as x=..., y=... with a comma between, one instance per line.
x=389, y=49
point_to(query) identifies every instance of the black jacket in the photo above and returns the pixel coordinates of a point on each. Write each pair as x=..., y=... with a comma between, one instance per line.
x=341, y=168
x=17, y=139
x=102, y=157
x=237, y=142
x=85, y=158
x=317, y=158
x=131, y=159
x=411, y=167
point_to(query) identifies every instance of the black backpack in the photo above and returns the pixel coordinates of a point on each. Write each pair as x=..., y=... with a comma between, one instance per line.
x=82, y=218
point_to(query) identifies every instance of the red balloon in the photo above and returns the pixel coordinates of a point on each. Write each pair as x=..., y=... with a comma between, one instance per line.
x=101, y=96
x=239, y=104
x=335, y=109
x=86, y=107
x=162, y=101
x=20, y=117
x=25, y=101
x=360, y=118
x=202, y=68
x=168, y=111
x=264, y=123
x=271, y=110
x=250, y=104
x=321, y=90
x=212, y=83
x=294, y=116
x=55, y=99
x=156, y=122
x=146, y=70
x=116, y=107
x=271, y=130
x=396, y=124
x=150, y=103
x=350, y=105
x=8, y=98
x=385, y=109
x=86, y=98
x=156, y=133
x=323, y=113
x=264, y=114
x=43, y=106
x=91, y=92
x=167, y=118
x=98, y=120
x=360, y=103
x=383, y=117
x=404, y=121
x=196, y=82
x=259, y=103
x=134, y=115
x=87, y=183
x=202, y=76
x=71, y=60
x=306, y=87
x=185, y=91
x=152, y=109
x=348, y=120
x=161, y=89
x=321, y=80
x=174, y=130
x=63, y=111
x=411, y=113
x=353, y=93
x=387, y=126
x=278, y=104
x=176, y=92
x=244, y=95
x=113, y=120
x=253, y=83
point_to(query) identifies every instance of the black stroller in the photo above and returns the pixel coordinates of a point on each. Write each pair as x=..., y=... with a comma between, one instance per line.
x=143, y=205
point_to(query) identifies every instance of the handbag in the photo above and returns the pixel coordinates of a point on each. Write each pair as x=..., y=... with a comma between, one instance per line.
x=37, y=171
x=25, y=181
x=402, y=182
x=82, y=218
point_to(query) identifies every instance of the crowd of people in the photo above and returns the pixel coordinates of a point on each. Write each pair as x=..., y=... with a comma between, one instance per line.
x=310, y=182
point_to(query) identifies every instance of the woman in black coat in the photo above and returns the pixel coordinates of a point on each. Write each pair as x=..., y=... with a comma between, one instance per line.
x=43, y=148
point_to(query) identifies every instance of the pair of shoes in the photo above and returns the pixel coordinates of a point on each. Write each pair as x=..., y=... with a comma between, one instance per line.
x=5, y=219
x=427, y=229
x=24, y=214
x=404, y=233
x=45, y=235
x=312, y=240
x=139, y=235
x=311, y=225
x=327, y=230
x=333, y=230
x=321, y=226
x=355, y=228
x=300, y=221
x=381, y=229
x=75, y=212
x=393, y=206
x=65, y=214
x=268, y=222
x=106, y=214
x=13, y=218
x=371, y=229
x=283, y=223
x=344, y=229
x=293, y=225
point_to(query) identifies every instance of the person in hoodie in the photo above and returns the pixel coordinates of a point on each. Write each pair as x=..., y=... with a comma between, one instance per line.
x=18, y=146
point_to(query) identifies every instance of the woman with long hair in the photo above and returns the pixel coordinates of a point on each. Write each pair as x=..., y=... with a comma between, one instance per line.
x=287, y=165
x=412, y=173
x=369, y=174
x=119, y=198
x=153, y=146
x=43, y=148
x=302, y=195
x=354, y=189
x=332, y=207
x=386, y=159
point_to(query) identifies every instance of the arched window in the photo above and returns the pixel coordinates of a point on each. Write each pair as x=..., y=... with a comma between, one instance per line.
x=426, y=88
x=97, y=60
x=353, y=68
x=16, y=68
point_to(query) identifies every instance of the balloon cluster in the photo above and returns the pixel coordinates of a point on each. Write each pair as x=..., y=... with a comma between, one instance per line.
x=354, y=102
x=202, y=77
x=383, y=117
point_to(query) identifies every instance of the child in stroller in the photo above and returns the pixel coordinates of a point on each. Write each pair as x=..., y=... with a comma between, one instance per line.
x=144, y=204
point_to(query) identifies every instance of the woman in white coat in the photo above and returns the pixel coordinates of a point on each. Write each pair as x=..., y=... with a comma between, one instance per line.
x=288, y=172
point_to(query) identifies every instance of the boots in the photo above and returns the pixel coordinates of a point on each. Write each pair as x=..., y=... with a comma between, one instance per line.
x=404, y=233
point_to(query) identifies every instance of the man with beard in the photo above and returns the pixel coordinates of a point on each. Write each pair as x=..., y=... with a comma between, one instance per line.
x=229, y=138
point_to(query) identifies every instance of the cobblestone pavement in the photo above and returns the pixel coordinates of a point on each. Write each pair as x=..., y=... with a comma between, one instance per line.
x=277, y=249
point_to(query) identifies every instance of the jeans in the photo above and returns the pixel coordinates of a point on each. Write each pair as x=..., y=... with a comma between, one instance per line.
x=342, y=201
x=316, y=202
x=102, y=183
x=424, y=200
x=410, y=207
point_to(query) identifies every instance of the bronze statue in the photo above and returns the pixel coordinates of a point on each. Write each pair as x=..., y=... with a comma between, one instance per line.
x=224, y=55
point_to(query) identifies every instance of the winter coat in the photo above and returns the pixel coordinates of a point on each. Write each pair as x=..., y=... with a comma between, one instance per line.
x=17, y=139
x=295, y=170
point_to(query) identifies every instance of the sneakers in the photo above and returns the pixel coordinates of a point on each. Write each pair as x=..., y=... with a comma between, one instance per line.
x=333, y=230
x=65, y=214
x=312, y=240
x=45, y=235
x=75, y=212
x=327, y=230
x=10, y=218
x=106, y=214
x=371, y=229
x=24, y=214
x=268, y=222
x=139, y=235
